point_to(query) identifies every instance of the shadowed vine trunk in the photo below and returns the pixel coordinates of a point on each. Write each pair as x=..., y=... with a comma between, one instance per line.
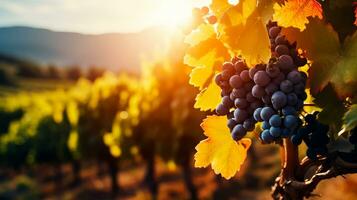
x=188, y=178
x=113, y=172
x=150, y=177
x=76, y=169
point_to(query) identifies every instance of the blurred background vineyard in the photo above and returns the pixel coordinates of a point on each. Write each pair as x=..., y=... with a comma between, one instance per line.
x=111, y=116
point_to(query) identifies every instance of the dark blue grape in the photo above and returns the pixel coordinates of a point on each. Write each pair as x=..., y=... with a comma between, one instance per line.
x=288, y=110
x=286, y=86
x=249, y=124
x=240, y=115
x=275, y=121
x=256, y=114
x=278, y=100
x=292, y=99
x=238, y=132
x=290, y=121
x=286, y=132
x=261, y=78
x=299, y=88
x=294, y=77
x=231, y=123
x=265, y=125
x=266, y=137
x=266, y=113
x=275, y=131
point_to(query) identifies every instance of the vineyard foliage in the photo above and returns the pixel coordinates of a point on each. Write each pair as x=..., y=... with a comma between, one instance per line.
x=328, y=41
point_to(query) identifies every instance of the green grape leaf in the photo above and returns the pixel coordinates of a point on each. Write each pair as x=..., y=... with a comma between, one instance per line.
x=350, y=118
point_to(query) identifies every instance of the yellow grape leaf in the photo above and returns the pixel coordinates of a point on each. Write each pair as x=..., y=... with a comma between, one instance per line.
x=242, y=29
x=223, y=153
x=209, y=98
x=202, y=33
x=218, y=7
x=294, y=13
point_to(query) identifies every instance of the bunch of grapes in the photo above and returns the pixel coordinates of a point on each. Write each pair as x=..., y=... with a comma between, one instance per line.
x=271, y=93
x=238, y=102
x=315, y=136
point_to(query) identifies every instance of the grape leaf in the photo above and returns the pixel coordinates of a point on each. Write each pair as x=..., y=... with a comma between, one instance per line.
x=205, y=54
x=223, y=153
x=331, y=62
x=350, y=118
x=209, y=98
x=294, y=13
x=242, y=29
x=218, y=7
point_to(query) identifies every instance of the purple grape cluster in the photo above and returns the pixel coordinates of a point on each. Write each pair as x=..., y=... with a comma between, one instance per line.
x=238, y=102
x=270, y=93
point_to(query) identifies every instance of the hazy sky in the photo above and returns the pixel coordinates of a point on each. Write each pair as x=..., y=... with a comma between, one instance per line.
x=95, y=16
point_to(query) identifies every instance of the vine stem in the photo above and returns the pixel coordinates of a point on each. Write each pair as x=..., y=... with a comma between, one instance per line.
x=290, y=160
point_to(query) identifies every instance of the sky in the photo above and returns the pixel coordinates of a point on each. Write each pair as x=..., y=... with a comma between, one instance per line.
x=96, y=16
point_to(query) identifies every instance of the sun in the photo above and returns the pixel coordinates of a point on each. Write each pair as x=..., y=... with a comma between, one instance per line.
x=172, y=13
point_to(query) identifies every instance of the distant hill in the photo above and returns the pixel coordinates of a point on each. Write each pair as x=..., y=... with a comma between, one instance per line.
x=114, y=51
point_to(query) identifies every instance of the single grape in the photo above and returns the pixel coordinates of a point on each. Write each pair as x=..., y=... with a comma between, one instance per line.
x=294, y=77
x=235, y=82
x=261, y=78
x=252, y=72
x=244, y=75
x=258, y=91
x=271, y=88
x=228, y=66
x=249, y=124
x=231, y=123
x=266, y=113
x=221, y=109
x=265, y=125
x=296, y=139
x=241, y=103
x=285, y=62
x=275, y=121
x=290, y=121
x=266, y=137
x=285, y=133
x=282, y=50
x=239, y=66
x=288, y=110
x=292, y=99
x=256, y=114
x=238, y=132
x=274, y=31
x=286, y=86
x=281, y=40
x=227, y=102
x=240, y=115
x=226, y=74
x=278, y=100
x=275, y=131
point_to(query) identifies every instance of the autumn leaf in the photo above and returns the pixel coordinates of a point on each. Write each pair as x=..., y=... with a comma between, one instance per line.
x=206, y=53
x=218, y=7
x=219, y=150
x=242, y=29
x=208, y=98
x=331, y=62
x=294, y=13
